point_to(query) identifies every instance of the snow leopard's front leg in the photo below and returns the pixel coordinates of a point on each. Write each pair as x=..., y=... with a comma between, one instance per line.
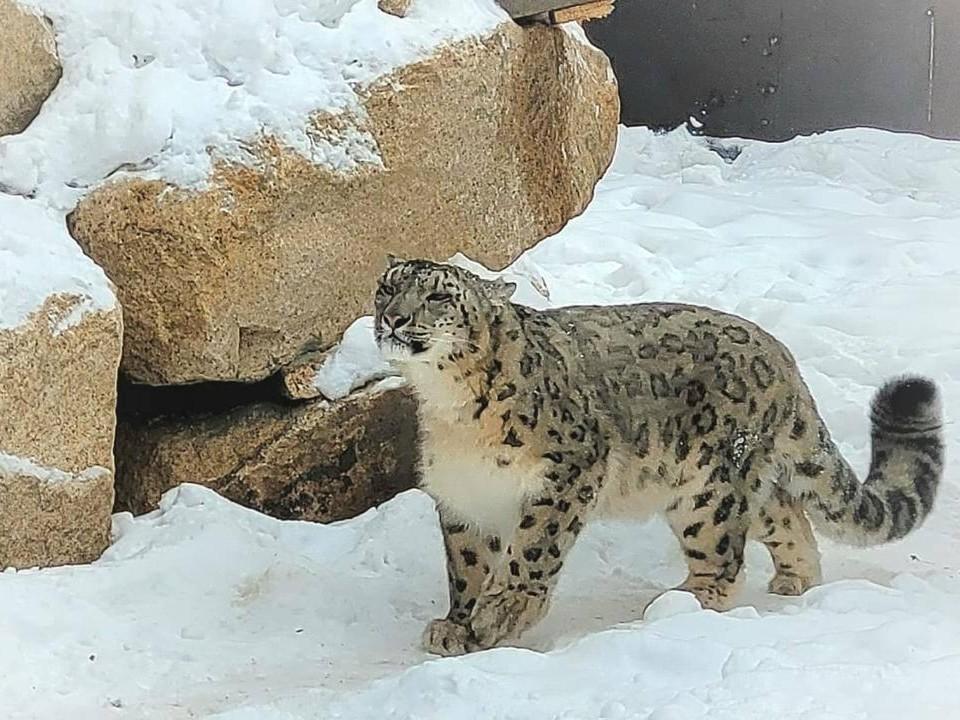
x=518, y=595
x=471, y=558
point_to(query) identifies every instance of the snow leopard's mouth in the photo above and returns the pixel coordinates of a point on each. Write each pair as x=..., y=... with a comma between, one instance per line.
x=400, y=343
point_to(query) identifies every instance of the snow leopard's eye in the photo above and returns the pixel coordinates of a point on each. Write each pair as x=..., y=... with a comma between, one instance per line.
x=386, y=290
x=439, y=297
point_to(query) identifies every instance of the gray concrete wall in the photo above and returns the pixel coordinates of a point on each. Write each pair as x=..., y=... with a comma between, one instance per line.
x=775, y=68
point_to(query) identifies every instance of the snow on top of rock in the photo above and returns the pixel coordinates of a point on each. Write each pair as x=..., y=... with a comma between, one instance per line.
x=15, y=465
x=155, y=86
x=353, y=363
x=38, y=259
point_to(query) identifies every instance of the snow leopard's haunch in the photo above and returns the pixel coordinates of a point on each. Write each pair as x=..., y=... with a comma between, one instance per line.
x=905, y=468
x=535, y=422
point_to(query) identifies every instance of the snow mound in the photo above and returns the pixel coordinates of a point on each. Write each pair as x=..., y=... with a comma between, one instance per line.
x=205, y=609
x=669, y=604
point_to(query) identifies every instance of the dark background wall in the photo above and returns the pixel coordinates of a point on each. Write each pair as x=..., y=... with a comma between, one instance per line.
x=774, y=68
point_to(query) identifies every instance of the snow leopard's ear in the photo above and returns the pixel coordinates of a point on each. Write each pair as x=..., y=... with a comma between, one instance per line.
x=393, y=261
x=499, y=290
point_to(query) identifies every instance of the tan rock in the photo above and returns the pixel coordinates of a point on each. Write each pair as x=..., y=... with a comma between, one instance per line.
x=48, y=517
x=400, y=8
x=297, y=378
x=487, y=148
x=318, y=461
x=29, y=69
x=58, y=387
x=58, y=377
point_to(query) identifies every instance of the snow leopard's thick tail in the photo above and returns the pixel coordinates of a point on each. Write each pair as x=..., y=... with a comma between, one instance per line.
x=906, y=465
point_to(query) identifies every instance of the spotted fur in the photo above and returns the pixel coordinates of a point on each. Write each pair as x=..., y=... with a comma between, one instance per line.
x=534, y=422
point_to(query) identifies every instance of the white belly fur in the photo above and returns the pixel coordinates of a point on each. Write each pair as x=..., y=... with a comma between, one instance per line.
x=469, y=484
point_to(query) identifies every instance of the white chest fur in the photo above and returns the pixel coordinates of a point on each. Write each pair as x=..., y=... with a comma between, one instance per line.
x=467, y=469
x=478, y=486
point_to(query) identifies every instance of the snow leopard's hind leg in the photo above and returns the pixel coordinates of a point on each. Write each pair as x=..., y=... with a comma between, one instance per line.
x=709, y=518
x=783, y=527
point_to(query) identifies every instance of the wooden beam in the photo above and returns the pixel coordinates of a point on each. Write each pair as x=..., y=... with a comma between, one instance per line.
x=528, y=8
x=558, y=11
x=582, y=13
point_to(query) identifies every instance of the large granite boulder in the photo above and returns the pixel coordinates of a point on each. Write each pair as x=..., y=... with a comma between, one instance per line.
x=484, y=148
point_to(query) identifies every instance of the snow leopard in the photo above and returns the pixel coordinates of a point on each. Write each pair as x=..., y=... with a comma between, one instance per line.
x=534, y=422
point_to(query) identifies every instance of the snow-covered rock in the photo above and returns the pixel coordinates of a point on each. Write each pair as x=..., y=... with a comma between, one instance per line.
x=353, y=363
x=242, y=168
x=335, y=373
x=60, y=345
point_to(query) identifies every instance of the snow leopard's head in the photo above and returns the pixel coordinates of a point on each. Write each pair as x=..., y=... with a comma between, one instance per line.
x=426, y=311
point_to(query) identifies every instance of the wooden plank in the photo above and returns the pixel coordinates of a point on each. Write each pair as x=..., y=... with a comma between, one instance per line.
x=582, y=13
x=528, y=8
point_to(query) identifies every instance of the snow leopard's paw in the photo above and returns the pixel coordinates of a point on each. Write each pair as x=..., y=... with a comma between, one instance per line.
x=445, y=637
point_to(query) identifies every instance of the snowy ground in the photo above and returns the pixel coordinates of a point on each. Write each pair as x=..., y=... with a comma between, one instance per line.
x=845, y=245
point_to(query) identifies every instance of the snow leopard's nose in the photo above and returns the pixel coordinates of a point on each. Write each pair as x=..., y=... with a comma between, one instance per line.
x=395, y=322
